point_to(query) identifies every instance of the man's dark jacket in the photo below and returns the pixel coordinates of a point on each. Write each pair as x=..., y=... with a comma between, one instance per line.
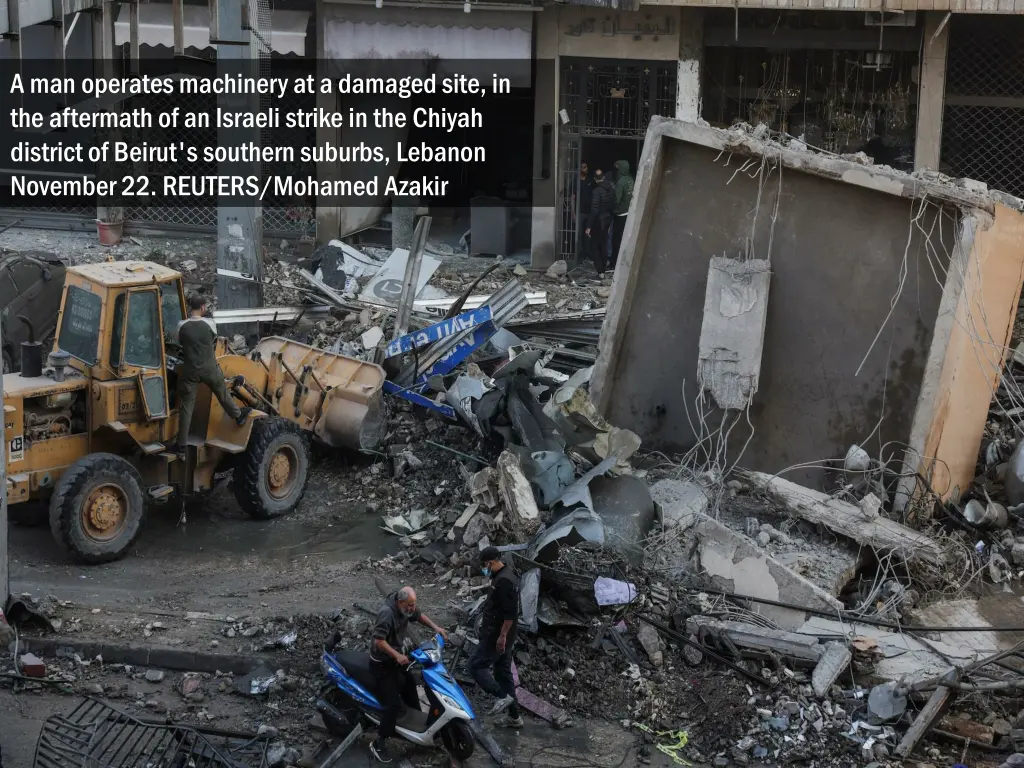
x=601, y=205
x=391, y=626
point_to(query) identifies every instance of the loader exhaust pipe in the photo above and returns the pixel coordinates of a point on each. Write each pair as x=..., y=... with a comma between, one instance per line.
x=31, y=352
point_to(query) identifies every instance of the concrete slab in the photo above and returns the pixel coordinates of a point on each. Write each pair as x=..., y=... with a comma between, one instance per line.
x=904, y=657
x=737, y=564
x=732, y=332
x=680, y=502
x=850, y=345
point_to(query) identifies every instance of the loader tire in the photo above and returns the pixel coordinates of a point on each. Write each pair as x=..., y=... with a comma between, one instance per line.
x=97, y=508
x=271, y=475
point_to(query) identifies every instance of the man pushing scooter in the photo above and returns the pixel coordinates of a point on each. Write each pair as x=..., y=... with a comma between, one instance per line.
x=394, y=684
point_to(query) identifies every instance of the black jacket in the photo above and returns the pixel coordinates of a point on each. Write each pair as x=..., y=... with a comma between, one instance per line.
x=586, y=194
x=503, y=601
x=602, y=205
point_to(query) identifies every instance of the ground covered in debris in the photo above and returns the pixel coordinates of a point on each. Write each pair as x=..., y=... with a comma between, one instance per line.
x=725, y=619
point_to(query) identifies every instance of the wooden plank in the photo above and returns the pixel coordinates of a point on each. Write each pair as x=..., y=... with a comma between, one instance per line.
x=926, y=719
x=349, y=740
x=879, y=533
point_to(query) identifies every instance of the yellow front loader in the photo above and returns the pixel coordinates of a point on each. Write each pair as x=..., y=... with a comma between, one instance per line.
x=90, y=429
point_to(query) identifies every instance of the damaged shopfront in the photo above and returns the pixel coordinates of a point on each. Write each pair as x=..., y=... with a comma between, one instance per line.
x=496, y=180
x=842, y=82
x=615, y=69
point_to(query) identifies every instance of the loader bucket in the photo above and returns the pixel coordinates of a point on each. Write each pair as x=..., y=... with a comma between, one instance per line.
x=339, y=398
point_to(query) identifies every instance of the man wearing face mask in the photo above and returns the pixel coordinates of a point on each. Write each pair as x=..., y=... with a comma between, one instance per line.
x=491, y=665
x=394, y=684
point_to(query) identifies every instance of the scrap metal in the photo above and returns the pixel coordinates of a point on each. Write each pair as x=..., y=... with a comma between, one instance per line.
x=97, y=735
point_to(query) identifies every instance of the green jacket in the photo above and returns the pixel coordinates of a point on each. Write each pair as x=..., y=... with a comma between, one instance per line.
x=623, y=188
x=196, y=336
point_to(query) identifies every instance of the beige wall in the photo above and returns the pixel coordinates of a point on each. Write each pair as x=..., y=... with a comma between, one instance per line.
x=983, y=285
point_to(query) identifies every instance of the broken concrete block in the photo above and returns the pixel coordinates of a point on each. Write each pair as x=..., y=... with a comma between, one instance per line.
x=1017, y=553
x=557, y=269
x=837, y=658
x=476, y=529
x=32, y=666
x=680, y=502
x=154, y=675
x=736, y=564
x=871, y=506
x=649, y=639
x=803, y=649
x=881, y=534
x=483, y=487
x=732, y=331
x=466, y=516
x=371, y=338
x=518, y=495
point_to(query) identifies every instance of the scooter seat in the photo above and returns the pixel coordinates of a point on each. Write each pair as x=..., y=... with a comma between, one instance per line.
x=357, y=664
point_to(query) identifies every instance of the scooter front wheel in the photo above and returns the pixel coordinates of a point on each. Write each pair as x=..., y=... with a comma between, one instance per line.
x=457, y=738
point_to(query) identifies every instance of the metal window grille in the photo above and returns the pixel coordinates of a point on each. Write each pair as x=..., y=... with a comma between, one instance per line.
x=603, y=99
x=983, y=122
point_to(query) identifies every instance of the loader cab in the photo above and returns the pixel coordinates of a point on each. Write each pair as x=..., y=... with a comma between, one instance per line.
x=119, y=323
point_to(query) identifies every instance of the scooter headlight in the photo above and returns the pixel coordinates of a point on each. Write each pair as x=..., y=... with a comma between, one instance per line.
x=452, y=704
x=434, y=655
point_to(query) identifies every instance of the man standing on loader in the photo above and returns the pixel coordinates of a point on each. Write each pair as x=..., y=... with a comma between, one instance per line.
x=196, y=335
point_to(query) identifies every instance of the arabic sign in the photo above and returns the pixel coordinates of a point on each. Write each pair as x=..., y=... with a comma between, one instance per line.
x=634, y=25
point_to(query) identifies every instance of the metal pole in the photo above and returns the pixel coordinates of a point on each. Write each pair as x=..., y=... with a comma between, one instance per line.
x=412, y=277
x=239, y=227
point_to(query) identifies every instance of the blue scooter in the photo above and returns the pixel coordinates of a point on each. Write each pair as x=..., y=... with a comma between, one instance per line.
x=347, y=701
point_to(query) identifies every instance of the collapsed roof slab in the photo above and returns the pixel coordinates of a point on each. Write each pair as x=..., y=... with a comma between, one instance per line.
x=892, y=301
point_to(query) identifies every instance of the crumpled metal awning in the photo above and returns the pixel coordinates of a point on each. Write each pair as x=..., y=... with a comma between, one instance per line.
x=156, y=27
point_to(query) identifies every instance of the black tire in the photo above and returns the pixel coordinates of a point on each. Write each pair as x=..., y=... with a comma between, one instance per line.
x=273, y=440
x=458, y=739
x=70, y=516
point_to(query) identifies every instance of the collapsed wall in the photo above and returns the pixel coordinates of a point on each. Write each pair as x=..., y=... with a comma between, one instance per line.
x=892, y=297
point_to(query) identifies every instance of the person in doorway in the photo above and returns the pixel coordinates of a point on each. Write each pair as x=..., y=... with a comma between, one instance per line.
x=599, y=221
x=394, y=685
x=581, y=210
x=491, y=664
x=196, y=336
x=623, y=199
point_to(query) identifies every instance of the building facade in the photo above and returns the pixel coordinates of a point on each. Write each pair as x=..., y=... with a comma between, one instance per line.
x=915, y=84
